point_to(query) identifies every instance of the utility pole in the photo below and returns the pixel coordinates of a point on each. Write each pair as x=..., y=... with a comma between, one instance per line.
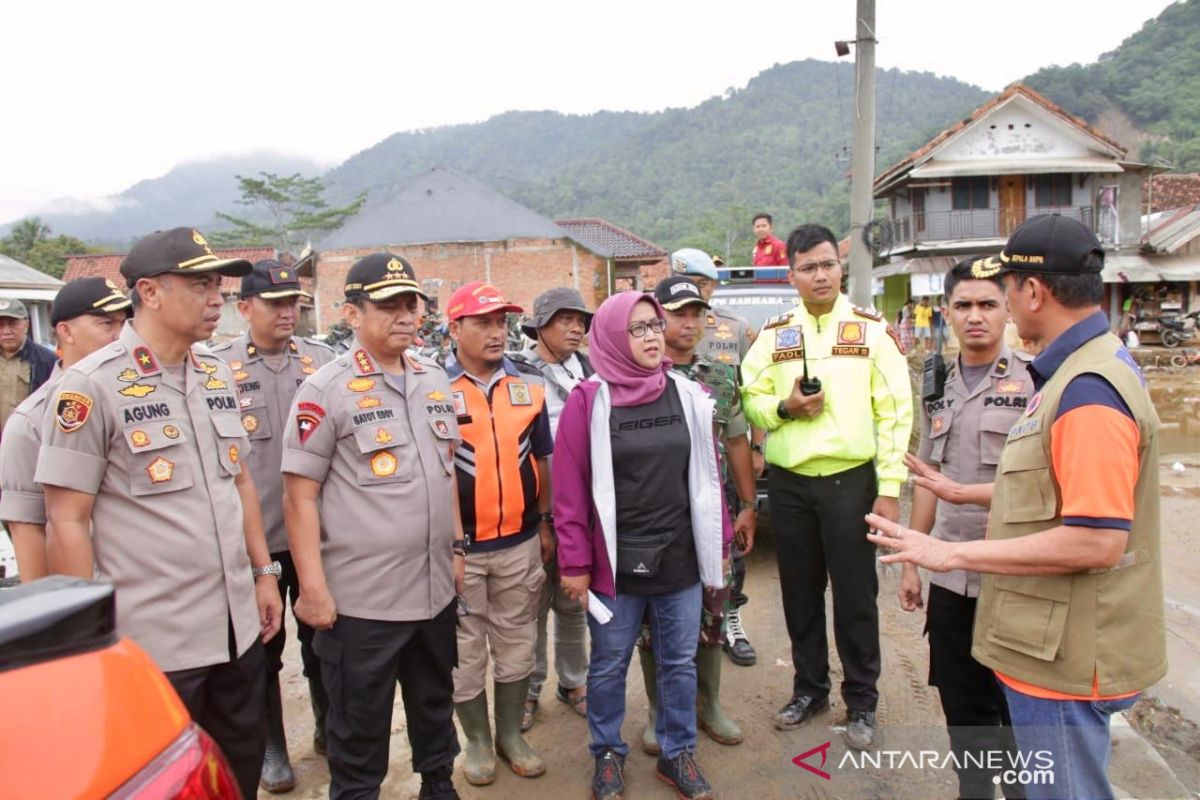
x=863, y=164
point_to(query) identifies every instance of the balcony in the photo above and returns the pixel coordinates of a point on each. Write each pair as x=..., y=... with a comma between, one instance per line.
x=986, y=223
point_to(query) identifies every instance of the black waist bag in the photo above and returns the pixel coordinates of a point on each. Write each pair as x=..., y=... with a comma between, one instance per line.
x=641, y=556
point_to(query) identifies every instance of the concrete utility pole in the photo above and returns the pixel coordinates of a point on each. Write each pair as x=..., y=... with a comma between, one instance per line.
x=863, y=163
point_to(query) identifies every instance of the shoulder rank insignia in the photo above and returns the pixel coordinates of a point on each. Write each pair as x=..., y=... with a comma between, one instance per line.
x=363, y=362
x=778, y=321
x=862, y=312
x=144, y=360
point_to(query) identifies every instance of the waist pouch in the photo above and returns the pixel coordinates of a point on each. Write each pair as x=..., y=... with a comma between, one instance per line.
x=641, y=556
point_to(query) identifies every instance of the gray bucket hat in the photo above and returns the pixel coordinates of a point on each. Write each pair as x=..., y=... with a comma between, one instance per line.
x=549, y=303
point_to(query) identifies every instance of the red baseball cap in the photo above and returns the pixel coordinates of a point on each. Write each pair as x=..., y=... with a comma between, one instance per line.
x=475, y=298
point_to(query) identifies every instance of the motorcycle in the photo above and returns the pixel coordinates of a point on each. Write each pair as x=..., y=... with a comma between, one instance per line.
x=1178, y=328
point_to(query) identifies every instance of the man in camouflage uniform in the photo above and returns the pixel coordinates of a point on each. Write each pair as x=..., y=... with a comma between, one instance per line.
x=725, y=340
x=685, y=308
x=269, y=362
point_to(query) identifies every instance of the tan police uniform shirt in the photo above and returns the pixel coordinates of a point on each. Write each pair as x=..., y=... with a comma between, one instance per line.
x=266, y=388
x=963, y=432
x=726, y=337
x=14, y=385
x=22, y=498
x=167, y=530
x=382, y=447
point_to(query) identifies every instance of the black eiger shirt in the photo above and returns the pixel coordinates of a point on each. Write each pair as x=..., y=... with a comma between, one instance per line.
x=650, y=451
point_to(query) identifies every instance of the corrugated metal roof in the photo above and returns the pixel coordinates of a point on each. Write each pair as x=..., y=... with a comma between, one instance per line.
x=608, y=240
x=15, y=274
x=922, y=265
x=1136, y=268
x=1014, y=166
x=1176, y=230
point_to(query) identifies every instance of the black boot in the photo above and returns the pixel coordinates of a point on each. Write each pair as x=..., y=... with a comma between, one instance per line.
x=438, y=784
x=320, y=705
x=277, y=776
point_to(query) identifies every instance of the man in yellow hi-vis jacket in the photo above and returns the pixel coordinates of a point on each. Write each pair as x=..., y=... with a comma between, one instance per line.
x=836, y=450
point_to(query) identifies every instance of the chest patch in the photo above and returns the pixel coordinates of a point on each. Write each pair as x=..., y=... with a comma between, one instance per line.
x=851, y=333
x=518, y=394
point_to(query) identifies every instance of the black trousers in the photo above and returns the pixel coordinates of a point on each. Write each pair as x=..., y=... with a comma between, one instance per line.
x=973, y=702
x=289, y=584
x=228, y=701
x=362, y=661
x=821, y=535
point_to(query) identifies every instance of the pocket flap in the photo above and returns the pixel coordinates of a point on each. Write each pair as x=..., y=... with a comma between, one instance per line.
x=996, y=423
x=228, y=425
x=441, y=429
x=143, y=438
x=1031, y=623
x=1024, y=454
x=379, y=436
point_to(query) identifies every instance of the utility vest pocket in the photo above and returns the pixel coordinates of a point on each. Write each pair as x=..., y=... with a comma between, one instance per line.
x=1030, y=615
x=1029, y=488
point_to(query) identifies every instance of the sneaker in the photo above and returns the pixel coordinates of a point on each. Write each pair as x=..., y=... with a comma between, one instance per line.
x=800, y=709
x=737, y=644
x=682, y=773
x=860, y=729
x=438, y=784
x=608, y=781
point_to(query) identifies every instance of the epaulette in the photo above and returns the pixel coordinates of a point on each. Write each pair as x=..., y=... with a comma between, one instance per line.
x=202, y=349
x=1021, y=355
x=217, y=348
x=97, y=358
x=779, y=320
x=862, y=312
x=426, y=361
x=314, y=340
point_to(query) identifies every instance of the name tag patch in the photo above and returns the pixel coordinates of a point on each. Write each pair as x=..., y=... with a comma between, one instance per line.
x=518, y=394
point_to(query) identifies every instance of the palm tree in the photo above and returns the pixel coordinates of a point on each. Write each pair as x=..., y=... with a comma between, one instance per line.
x=25, y=234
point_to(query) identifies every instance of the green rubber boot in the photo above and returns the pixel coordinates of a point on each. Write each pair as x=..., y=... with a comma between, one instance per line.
x=480, y=765
x=649, y=675
x=510, y=744
x=711, y=718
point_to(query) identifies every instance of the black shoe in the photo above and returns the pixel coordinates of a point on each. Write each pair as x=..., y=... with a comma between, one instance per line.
x=860, y=729
x=608, y=781
x=682, y=773
x=438, y=784
x=737, y=644
x=800, y=709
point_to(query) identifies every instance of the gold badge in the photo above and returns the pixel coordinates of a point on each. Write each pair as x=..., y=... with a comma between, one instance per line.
x=1010, y=387
x=233, y=454
x=160, y=470
x=851, y=333
x=250, y=423
x=383, y=464
x=208, y=367
x=518, y=394
x=370, y=401
x=308, y=370
x=306, y=360
x=139, y=438
x=395, y=266
x=137, y=390
x=127, y=376
x=213, y=384
x=361, y=385
x=171, y=432
x=382, y=436
x=241, y=375
x=938, y=424
x=436, y=396
x=235, y=365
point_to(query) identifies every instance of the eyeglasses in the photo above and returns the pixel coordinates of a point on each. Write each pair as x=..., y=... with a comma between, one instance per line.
x=639, y=329
x=810, y=267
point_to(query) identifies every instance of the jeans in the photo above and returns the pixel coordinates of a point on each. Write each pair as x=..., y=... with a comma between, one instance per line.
x=674, y=620
x=1075, y=733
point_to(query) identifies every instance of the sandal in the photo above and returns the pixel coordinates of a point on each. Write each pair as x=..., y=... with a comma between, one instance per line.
x=578, y=703
x=531, y=708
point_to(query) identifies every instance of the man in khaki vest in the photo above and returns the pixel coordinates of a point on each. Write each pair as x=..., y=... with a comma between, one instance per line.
x=1070, y=613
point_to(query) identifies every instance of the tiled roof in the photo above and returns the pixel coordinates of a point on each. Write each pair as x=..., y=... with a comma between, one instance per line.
x=108, y=265
x=608, y=240
x=1171, y=190
x=1012, y=91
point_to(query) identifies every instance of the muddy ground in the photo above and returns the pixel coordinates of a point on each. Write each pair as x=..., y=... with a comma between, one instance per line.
x=909, y=713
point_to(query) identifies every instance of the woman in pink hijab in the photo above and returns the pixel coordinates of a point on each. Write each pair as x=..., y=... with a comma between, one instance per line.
x=641, y=525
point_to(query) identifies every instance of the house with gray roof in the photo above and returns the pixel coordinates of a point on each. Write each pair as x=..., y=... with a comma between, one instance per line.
x=33, y=288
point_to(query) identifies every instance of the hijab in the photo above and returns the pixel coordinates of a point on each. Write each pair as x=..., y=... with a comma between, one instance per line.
x=629, y=382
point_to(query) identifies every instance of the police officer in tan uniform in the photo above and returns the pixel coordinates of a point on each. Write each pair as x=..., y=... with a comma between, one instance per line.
x=269, y=363
x=726, y=340
x=373, y=526
x=963, y=426
x=142, y=468
x=87, y=314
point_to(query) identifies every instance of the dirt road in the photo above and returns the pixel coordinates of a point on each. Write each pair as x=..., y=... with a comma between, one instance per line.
x=762, y=766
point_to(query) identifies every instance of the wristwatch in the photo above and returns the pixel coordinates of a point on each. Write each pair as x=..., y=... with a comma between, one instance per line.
x=274, y=568
x=756, y=447
x=460, y=547
x=744, y=504
x=547, y=517
x=781, y=411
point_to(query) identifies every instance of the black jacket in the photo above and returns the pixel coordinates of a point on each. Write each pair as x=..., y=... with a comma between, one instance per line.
x=41, y=362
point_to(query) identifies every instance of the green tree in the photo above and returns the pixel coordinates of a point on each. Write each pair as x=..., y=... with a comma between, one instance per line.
x=296, y=209
x=23, y=236
x=30, y=243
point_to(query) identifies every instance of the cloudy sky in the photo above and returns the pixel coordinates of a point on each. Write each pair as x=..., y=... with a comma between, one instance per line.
x=100, y=95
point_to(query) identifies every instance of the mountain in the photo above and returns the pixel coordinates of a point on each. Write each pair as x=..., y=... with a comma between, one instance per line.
x=1152, y=79
x=187, y=195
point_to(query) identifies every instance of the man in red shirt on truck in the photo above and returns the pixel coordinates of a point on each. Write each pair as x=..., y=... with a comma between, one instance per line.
x=768, y=250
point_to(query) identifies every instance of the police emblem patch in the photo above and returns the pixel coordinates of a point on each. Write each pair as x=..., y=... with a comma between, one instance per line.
x=441, y=427
x=160, y=470
x=137, y=390
x=787, y=338
x=361, y=385
x=851, y=333
x=250, y=423
x=383, y=464
x=233, y=454
x=306, y=423
x=518, y=394
x=72, y=411
x=170, y=431
x=139, y=439
x=1034, y=402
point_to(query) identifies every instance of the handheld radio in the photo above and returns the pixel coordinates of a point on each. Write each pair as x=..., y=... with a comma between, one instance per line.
x=933, y=377
x=807, y=385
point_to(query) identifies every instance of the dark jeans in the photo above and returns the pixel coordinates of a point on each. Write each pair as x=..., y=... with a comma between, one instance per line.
x=972, y=700
x=362, y=661
x=228, y=701
x=289, y=584
x=821, y=536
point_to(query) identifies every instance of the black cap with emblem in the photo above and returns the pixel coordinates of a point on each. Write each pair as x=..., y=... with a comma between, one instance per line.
x=379, y=276
x=179, y=251
x=272, y=280
x=676, y=291
x=1052, y=243
x=87, y=296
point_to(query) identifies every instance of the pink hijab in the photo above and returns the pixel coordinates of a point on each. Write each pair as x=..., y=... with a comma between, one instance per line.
x=630, y=383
